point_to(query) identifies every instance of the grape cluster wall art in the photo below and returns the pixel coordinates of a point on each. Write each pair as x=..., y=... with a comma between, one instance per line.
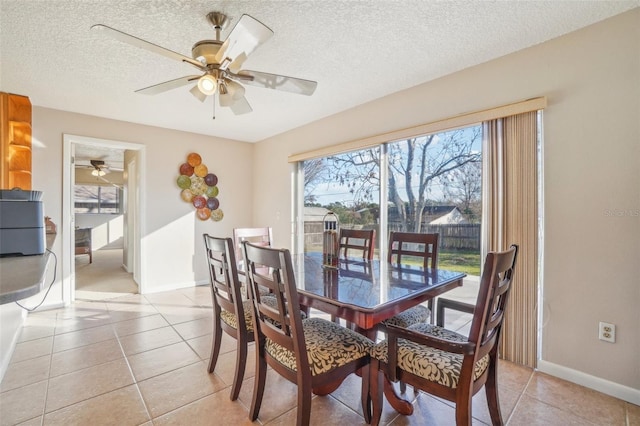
x=200, y=188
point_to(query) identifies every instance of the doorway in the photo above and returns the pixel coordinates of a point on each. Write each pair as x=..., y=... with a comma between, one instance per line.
x=101, y=205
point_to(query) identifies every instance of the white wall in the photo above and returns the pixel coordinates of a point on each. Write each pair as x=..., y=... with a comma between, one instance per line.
x=171, y=234
x=105, y=228
x=591, y=167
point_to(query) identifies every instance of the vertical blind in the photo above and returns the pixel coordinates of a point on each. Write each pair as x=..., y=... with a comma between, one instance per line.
x=511, y=217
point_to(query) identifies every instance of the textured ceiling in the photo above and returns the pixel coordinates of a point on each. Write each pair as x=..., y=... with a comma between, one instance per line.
x=357, y=51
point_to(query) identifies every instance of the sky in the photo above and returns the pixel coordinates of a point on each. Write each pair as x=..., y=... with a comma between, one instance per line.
x=330, y=192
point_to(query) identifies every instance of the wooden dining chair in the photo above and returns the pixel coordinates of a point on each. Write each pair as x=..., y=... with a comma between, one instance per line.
x=260, y=236
x=358, y=240
x=447, y=364
x=404, y=246
x=231, y=312
x=314, y=353
x=413, y=245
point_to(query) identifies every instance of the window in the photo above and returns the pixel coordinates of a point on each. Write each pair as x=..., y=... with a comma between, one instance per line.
x=430, y=183
x=346, y=184
x=97, y=199
x=510, y=184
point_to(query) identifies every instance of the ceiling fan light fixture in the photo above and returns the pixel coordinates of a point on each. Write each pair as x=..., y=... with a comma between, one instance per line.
x=207, y=84
x=98, y=172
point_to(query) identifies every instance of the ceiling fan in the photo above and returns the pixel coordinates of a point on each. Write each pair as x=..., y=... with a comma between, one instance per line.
x=100, y=169
x=220, y=63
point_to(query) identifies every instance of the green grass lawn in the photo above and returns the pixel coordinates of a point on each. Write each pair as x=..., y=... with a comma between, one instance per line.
x=462, y=261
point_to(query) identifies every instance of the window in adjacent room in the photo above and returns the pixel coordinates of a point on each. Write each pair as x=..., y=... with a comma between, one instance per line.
x=97, y=199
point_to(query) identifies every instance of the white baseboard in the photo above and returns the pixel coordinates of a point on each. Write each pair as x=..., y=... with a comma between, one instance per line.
x=49, y=305
x=616, y=390
x=171, y=287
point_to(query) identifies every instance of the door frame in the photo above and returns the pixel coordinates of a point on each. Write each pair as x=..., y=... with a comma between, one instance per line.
x=134, y=183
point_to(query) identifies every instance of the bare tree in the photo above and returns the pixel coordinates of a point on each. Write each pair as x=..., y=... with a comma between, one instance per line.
x=463, y=186
x=415, y=164
x=314, y=172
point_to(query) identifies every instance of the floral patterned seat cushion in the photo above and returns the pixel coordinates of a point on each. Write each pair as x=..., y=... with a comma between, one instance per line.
x=411, y=316
x=329, y=346
x=432, y=364
x=231, y=320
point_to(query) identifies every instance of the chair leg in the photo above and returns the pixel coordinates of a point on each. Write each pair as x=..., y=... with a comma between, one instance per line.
x=491, y=389
x=366, y=394
x=258, y=384
x=376, y=386
x=303, y=416
x=463, y=412
x=215, y=345
x=403, y=387
x=241, y=362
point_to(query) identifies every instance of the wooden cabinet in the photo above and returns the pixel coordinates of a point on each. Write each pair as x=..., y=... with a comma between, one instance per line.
x=15, y=149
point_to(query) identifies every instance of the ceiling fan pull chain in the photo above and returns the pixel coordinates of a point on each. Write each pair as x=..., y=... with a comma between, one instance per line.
x=214, y=106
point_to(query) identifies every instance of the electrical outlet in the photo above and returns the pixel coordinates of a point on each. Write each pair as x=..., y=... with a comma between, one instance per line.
x=607, y=332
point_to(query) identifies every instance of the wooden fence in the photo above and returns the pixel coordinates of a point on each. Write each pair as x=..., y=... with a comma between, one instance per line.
x=452, y=237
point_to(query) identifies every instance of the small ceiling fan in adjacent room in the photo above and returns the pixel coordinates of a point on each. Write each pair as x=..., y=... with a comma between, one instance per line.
x=220, y=64
x=100, y=169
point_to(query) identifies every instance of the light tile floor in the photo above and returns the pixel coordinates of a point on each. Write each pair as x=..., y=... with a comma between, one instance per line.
x=137, y=359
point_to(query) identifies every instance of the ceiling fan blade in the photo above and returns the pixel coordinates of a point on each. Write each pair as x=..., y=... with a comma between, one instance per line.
x=109, y=182
x=240, y=106
x=236, y=65
x=168, y=85
x=195, y=91
x=277, y=82
x=246, y=36
x=143, y=44
x=225, y=99
x=232, y=96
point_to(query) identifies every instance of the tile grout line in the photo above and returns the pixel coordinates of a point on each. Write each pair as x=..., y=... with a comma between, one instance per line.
x=46, y=392
x=561, y=408
x=95, y=396
x=126, y=360
x=71, y=372
x=189, y=346
x=520, y=398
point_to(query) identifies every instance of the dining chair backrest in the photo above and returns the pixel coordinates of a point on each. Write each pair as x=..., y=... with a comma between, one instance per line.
x=413, y=245
x=259, y=236
x=493, y=295
x=359, y=240
x=404, y=246
x=223, y=274
x=229, y=308
x=273, y=269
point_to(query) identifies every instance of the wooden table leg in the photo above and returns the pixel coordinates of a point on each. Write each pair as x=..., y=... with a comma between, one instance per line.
x=402, y=406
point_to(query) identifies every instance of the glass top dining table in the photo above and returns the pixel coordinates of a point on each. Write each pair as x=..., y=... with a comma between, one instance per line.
x=366, y=293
